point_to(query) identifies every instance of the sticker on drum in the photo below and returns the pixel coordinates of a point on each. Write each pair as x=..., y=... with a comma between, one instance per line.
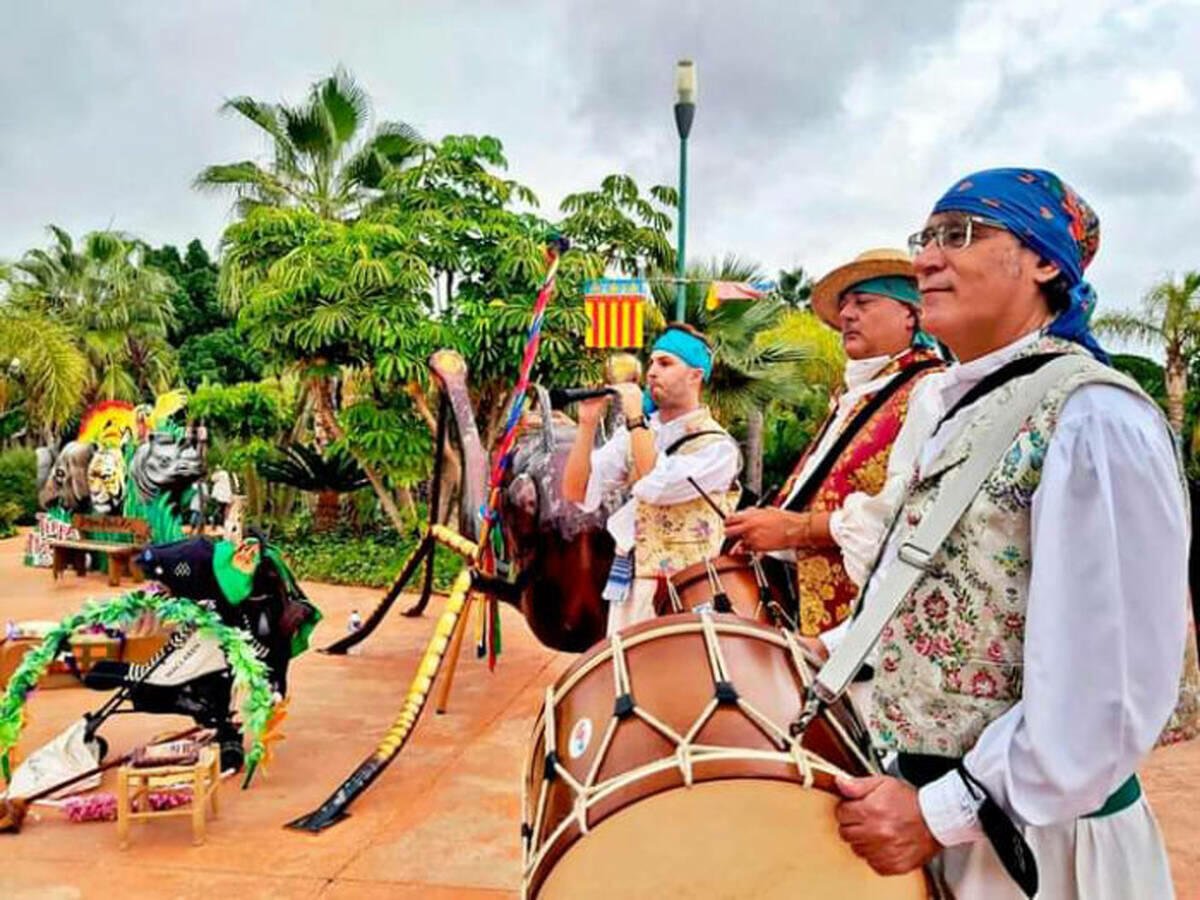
x=581, y=736
x=702, y=608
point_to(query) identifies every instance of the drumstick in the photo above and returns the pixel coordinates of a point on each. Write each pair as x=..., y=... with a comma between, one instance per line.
x=707, y=499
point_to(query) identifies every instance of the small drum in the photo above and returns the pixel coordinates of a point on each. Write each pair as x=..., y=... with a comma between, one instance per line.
x=663, y=766
x=724, y=584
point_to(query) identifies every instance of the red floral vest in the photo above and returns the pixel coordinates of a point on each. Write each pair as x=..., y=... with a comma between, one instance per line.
x=826, y=592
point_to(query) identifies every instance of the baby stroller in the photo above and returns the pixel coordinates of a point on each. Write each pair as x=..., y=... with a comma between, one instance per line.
x=251, y=588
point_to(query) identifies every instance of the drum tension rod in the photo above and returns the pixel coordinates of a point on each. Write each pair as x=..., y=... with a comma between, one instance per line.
x=551, y=771
x=623, y=707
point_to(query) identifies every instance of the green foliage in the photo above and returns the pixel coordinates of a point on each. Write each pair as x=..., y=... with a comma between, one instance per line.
x=254, y=409
x=208, y=345
x=373, y=560
x=114, y=305
x=323, y=159
x=384, y=431
x=43, y=367
x=194, y=297
x=220, y=356
x=308, y=469
x=628, y=231
x=18, y=485
x=9, y=514
x=1145, y=372
x=787, y=433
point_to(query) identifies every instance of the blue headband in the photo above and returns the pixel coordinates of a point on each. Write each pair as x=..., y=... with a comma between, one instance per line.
x=687, y=347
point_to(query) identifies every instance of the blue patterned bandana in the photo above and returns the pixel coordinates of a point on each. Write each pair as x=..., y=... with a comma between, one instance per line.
x=1050, y=218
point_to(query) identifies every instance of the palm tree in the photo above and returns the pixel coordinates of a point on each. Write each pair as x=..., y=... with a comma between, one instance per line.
x=327, y=165
x=116, y=306
x=42, y=370
x=327, y=475
x=1169, y=319
x=753, y=366
x=324, y=159
x=795, y=287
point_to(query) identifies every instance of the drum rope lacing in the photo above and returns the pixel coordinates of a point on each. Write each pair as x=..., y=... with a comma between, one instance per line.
x=687, y=753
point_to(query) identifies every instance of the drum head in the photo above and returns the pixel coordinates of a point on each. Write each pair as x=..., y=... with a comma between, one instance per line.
x=747, y=837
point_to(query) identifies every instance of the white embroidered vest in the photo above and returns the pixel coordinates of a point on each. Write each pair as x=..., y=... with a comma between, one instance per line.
x=672, y=537
x=950, y=660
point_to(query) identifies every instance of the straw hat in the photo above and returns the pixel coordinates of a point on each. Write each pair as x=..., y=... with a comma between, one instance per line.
x=871, y=264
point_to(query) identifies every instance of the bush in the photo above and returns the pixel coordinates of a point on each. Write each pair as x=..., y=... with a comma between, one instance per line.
x=18, y=484
x=371, y=560
x=8, y=518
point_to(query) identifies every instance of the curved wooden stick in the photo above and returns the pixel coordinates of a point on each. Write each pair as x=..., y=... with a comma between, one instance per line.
x=333, y=810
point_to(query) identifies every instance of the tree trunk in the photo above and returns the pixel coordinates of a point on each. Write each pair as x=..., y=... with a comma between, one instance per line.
x=1176, y=378
x=754, y=452
x=327, y=422
x=329, y=505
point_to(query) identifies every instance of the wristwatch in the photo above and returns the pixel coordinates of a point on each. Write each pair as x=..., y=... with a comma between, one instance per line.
x=639, y=422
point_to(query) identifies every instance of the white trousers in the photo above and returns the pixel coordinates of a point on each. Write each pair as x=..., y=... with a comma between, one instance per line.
x=637, y=607
x=1117, y=857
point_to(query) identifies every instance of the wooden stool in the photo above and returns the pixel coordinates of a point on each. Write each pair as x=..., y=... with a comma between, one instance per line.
x=132, y=783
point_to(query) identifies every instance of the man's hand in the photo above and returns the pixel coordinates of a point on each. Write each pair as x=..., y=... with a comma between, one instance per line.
x=630, y=396
x=764, y=529
x=592, y=411
x=880, y=818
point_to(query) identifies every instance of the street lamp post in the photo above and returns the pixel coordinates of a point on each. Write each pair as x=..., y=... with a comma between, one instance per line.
x=685, y=111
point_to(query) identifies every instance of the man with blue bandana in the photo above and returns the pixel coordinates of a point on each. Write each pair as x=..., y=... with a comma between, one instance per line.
x=665, y=526
x=1036, y=661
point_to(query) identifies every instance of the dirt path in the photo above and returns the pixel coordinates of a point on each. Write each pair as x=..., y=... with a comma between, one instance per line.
x=441, y=822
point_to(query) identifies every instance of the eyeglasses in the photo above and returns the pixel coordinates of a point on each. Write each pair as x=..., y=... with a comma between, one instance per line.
x=953, y=234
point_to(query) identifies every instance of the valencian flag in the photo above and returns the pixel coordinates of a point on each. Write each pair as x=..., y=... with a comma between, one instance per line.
x=615, y=309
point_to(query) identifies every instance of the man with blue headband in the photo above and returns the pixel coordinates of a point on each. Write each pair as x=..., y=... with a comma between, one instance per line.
x=665, y=526
x=1037, y=657
x=825, y=517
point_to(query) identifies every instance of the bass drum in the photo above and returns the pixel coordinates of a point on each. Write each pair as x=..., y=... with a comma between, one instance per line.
x=663, y=766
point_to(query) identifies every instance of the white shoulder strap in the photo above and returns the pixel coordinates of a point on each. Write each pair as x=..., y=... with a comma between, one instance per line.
x=916, y=553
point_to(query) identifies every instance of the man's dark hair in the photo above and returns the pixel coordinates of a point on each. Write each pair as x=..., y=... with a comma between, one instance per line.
x=689, y=329
x=1057, y=293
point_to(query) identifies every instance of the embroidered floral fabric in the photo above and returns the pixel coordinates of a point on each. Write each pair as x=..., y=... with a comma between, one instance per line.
x=951, y=659
x=826, y=592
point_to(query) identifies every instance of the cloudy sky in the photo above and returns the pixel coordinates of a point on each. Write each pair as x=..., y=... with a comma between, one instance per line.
x=823, y=128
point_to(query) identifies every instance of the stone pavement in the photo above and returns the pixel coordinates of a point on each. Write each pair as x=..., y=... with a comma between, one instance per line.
x=441, y=822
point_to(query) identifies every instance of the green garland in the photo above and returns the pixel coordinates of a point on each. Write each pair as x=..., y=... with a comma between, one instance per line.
x=249, y=673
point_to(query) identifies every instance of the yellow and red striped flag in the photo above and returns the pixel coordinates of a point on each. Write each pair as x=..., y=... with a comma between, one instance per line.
x=615, y=309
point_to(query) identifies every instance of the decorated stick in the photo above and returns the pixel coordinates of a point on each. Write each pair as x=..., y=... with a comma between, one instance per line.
x=333, y=810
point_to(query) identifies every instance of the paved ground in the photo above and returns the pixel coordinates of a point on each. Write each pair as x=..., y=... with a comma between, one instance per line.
x=441, y=822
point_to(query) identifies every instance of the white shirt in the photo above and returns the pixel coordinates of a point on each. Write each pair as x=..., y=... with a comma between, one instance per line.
x=862, y=379
x=1107, y=609
x=714, y=467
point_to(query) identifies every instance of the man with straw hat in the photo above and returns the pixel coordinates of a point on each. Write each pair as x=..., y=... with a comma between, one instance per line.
x=1032, y=655
x=826, y=511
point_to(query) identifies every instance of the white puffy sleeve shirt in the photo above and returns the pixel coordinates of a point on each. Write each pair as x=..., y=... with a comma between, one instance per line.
x=1105, y=628
x=714, y=466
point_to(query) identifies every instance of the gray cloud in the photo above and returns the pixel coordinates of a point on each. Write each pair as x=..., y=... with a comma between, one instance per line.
x=822, y=128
